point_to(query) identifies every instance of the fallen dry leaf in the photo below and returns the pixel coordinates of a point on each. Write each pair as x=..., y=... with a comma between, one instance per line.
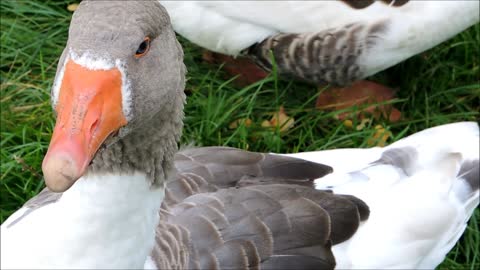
x=363, y=123
x=348, y=123
x=266, y=124
x=358, y=94
x=279, y=119
x=246, y=70
x=380, y=136
x=72, y=7
x=246, y=121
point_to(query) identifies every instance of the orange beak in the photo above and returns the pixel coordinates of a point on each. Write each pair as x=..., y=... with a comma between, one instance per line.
x=89, y=109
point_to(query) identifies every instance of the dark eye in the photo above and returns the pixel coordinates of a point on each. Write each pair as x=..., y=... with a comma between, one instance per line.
x=143, y=48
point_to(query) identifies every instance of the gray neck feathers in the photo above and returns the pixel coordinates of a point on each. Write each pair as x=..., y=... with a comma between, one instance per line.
x=149, y=149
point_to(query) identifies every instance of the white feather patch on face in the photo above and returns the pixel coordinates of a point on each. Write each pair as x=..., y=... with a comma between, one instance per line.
x=91, y=61
x=126, y=90
x=58, y=82
x=94, y=62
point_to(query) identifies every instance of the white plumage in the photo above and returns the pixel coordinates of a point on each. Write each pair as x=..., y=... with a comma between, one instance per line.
x=78, y=230
x=417, y=214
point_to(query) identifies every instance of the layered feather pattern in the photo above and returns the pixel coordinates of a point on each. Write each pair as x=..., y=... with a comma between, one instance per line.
x=236, y=215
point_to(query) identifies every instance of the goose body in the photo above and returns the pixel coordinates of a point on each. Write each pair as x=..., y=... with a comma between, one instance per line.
x=322, y=41
x=120, y=195
x=420, y=198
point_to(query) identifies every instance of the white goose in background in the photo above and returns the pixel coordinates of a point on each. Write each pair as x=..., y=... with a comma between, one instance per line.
x=336, y=42
x=120, y=195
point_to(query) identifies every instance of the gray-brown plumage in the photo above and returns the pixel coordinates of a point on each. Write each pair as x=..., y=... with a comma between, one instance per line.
x=403, y=158
x=231, y=164
x=238, y=217
x=253, y=227
x=329, y=56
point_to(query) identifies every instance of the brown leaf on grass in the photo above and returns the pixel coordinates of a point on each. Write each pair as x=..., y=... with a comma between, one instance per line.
x=236, y=123
x=380, y=136
x=363, y=123
x=358, y=94
x=279, y=120
x=246, y=70
x=72, y=7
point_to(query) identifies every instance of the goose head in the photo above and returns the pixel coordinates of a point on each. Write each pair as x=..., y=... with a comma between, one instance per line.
x=118, y=94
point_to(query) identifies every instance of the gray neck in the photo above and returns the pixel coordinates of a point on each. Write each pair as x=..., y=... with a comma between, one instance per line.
x=148, y=148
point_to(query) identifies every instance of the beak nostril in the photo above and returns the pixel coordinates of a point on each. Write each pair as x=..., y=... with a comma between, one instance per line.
x=94, y=126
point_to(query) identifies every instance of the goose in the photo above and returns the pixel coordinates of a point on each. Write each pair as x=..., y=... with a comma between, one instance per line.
x=121, y=195
x=336, y=42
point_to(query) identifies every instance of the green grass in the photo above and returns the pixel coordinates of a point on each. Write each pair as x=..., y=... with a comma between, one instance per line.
x=436, y=87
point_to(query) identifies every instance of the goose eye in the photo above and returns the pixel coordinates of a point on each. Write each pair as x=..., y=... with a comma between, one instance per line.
x=143, y=47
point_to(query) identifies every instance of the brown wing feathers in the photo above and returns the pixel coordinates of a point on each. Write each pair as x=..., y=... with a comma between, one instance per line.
x=224, y=166
x=345, y=211
x=207, y=169
x=209, y=222
x=254, y=227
